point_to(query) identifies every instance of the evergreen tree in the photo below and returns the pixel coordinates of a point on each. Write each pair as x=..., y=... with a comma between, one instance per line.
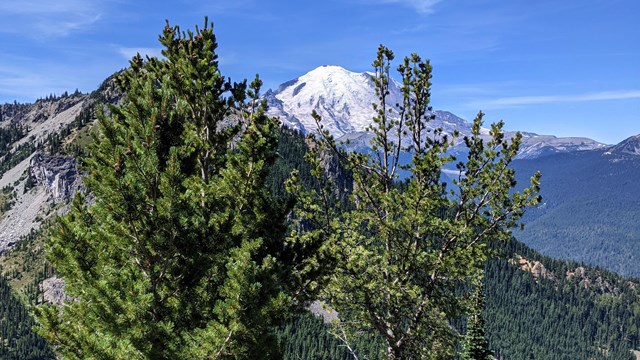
x=404, y=249
x=179, y=251
x=475, y=346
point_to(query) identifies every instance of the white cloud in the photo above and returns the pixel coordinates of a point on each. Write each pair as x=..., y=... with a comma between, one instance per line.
x=421, y=6
x=45, y=18
x=66, y=27
x=505, y=102
x=410, y=29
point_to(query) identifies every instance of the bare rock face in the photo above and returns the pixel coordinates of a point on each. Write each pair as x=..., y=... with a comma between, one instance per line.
x=536, y=268
x=329, y=315
x=58, y=174
x=629, y=146
x=53, y=291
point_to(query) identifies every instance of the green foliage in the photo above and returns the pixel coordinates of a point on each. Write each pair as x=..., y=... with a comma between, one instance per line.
x=17, y=155
x=23, y=269
x=11, y=155
x=182, y=252
x=17, y=339
x=525, y=317
x=10, y=134
x=576, y=312
x=7, y=198
x=24, y=266
x=291, y=151
x=403, y=251
x=475, y=346
x=305, y=336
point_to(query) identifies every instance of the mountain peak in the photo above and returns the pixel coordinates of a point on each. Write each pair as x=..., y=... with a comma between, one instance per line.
x=629, y=146
x=329, y=69
x=341, y=97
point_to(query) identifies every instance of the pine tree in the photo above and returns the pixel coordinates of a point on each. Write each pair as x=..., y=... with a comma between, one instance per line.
x=475, y=345
x=178, y=252
x=403, y=249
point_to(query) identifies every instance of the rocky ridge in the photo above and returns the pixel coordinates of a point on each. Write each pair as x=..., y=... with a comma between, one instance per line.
x=586, y=278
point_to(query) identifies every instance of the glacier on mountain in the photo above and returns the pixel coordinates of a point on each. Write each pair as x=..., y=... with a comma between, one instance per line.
x=344, y=99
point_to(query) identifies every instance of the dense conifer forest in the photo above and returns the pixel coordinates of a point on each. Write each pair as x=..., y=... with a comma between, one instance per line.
x=18, y=340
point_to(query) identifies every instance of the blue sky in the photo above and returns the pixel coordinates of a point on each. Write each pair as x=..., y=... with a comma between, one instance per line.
x=568, y=68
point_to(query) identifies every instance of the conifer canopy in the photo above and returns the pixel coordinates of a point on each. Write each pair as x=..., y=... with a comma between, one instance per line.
x=178, y=251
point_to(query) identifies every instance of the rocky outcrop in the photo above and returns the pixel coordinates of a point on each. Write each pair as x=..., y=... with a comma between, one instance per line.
x=58, y=174
x=53, y=291
x=319, y=308
x=594, y=280
x=536, y=268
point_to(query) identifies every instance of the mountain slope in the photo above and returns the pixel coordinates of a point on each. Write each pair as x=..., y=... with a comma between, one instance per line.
x=630, y=146
x=540, y=308
x=19, y=341
x=45, y=119
x=341, y=97
x=590, y=207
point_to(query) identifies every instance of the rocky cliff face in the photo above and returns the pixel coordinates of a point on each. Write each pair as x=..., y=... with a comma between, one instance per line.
x=58, y=174
x=54, y=179
x=536, y=268
x=53, y=291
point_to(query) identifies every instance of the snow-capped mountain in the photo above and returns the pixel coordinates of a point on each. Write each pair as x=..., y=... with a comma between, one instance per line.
x=344, y=101
x=629, y=146
x=534, y=145
x=342, y=98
